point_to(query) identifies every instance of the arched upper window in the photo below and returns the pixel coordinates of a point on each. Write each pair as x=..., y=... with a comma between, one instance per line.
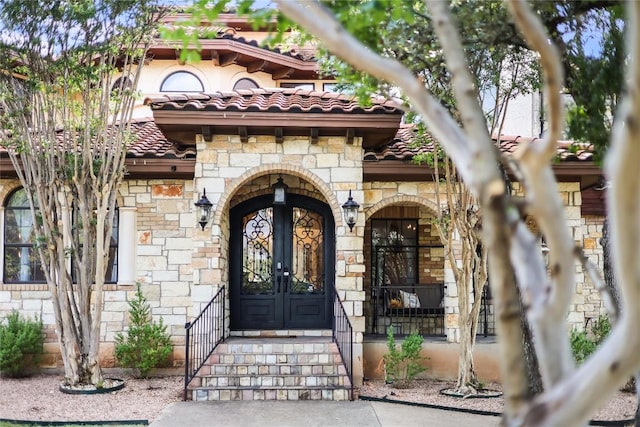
x=245, y=84
x=181, y=81
x=21, y=260
x=122, y=83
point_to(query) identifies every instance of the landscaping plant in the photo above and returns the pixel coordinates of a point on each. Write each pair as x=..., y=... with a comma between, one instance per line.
x=21, y=342
x=146, y=345
x=585, y=342
x=402, y=364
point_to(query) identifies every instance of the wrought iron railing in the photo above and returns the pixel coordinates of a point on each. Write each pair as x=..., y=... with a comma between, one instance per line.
x=408, y=308
x=343, y=337
x=203, y=336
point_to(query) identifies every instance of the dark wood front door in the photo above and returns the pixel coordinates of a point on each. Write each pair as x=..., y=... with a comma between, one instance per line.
x=282, y=264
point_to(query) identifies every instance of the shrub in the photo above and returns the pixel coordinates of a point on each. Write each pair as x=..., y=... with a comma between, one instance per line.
x=21, y=343
x=403, y=365
x=147, y=344
x=584, y=342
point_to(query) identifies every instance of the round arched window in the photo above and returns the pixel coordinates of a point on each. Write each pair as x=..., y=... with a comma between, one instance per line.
x=122, y=83
x=245, y=84
x=181, y=81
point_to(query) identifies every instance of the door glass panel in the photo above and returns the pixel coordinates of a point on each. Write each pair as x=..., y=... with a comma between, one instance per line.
x=307, y=255
x=257, y=241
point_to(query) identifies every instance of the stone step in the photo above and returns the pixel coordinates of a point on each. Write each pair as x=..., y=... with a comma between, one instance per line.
x=278, y=369
x=270, y=381
x=274, y=359
x=302, y=368
x=301, y=393
x=277, y=348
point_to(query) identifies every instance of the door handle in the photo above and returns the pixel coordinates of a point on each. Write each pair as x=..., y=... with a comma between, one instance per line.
x=286, y=278
x=278, y=281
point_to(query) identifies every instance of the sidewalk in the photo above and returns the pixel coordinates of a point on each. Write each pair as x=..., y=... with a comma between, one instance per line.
x=300, y=413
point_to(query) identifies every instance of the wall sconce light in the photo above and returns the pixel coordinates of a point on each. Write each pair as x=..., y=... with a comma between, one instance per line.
x=204, y=209
x=350, y=210
x=280, y=192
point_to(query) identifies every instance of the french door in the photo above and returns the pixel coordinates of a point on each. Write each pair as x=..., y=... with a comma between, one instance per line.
x=282, y=264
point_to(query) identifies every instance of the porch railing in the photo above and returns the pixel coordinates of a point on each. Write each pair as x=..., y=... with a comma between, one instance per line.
x=343, y=337
x=203, y=336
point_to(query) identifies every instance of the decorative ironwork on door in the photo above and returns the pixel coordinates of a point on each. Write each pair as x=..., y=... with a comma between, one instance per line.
x=257, y=262
x=282, y=264
x=307, y=255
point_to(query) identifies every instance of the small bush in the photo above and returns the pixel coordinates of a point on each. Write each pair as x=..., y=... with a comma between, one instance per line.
x=21, y=343
x=403, y=365
x=584, y=342
x=147, y=344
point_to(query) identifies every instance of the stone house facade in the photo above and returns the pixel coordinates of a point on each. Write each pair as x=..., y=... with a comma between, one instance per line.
x=257, y=117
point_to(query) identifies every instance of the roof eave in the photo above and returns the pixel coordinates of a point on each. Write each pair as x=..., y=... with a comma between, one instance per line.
x=183, y=125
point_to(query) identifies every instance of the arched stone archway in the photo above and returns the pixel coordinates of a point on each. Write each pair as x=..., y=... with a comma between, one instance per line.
x=405, y=279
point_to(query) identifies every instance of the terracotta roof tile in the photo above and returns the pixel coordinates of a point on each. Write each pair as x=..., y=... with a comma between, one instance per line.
x=292, y=53
x=403, y=147
x=567, y=151
x=271, y=100
x=151, y=143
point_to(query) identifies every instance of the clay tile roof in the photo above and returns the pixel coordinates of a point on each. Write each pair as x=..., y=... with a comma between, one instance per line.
x=292, y=53
x=568, y=151
x=294, y=100
x=404, y=147
x=151, y=143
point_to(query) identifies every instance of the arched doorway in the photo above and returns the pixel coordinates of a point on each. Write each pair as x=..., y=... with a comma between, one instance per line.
x=282, y=264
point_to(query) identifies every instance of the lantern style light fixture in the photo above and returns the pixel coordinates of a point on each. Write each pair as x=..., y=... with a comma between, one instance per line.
x=204, y=209
x=350, y=210
x=280, y=192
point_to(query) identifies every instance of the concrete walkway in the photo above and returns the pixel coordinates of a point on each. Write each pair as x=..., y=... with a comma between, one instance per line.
x=299, y=413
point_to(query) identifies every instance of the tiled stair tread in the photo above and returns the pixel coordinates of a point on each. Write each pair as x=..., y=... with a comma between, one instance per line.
x=272, y=394
x=265, y=368
x=289, y=387
x=261, y=380
x=276, y=349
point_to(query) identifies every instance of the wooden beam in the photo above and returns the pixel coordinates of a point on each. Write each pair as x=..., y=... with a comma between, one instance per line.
x=229, y=59
x=351, y=133
x=244, y=135
x=279, y=132
x=314, y=135
x=215, y=57
x=206, y=133
x=256, y=66
x=282, y=73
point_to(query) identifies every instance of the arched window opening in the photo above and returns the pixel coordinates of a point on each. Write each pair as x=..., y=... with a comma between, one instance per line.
x=181, y=81
x=245, y=83
x=21, y=259
x=121, y=84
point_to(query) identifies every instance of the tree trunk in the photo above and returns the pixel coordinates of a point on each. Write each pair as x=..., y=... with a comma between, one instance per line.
x=534, y=381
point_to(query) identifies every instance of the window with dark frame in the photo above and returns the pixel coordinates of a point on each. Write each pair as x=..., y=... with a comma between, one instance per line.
x=245, y=83
x=181, y=81
x=292, y=85
x=395, y=251
x=21, y=260
x=111, y=274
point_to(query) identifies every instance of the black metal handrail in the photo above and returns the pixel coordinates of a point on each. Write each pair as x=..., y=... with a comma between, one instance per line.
x=203, y=335
x=343, y=337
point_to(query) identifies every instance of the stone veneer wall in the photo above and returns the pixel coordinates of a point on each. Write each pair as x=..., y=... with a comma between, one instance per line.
x=588, y=302
x=232, y=171
x=156, y=223
x=165, y=251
